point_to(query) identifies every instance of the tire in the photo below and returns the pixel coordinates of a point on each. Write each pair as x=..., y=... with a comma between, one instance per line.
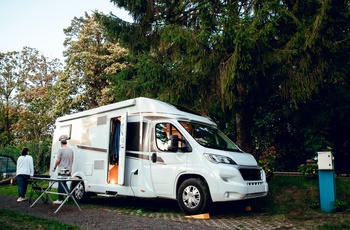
x=79, y=194
x=193, y=196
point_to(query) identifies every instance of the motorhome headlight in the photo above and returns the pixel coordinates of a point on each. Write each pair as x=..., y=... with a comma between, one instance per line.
x=219, y=159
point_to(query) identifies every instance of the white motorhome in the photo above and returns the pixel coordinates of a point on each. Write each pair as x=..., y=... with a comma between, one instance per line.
x=148, y=148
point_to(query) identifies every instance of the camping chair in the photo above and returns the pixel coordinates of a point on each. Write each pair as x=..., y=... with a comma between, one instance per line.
x=37, y=188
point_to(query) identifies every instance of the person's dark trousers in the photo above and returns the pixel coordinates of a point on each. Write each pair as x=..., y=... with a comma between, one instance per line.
x=22, y=181
x=61, y=190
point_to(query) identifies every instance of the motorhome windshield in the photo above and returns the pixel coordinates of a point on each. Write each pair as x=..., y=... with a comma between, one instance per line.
x=210, y=137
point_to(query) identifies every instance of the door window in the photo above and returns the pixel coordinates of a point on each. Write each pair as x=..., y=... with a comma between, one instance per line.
x=164, y=131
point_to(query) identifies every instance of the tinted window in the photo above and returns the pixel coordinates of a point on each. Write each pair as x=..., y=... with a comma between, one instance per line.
x=132, y=136
x=7, y=164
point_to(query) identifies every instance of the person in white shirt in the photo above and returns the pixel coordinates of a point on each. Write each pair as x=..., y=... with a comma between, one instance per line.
x=24, y=170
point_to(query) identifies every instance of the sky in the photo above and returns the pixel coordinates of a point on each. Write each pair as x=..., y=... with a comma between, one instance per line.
x=39, y=24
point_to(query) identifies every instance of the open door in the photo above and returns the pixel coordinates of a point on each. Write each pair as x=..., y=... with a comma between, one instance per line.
x=122, y=148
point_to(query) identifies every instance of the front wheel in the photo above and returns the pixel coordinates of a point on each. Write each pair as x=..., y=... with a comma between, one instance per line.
x=193, y=196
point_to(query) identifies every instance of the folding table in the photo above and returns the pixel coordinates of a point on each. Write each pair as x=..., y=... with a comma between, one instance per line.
x=48, y=189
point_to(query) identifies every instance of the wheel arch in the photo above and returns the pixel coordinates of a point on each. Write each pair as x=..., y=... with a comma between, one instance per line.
x=80, y=175
x=184, y=177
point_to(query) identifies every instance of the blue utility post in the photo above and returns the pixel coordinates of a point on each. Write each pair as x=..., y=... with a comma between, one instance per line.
x=326, y=178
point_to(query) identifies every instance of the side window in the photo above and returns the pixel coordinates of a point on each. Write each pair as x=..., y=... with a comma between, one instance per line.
x=163, y=133
x=132, y=136
x=66, y=131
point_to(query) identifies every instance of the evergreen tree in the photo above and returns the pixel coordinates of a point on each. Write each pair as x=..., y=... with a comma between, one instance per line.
x=231, y=57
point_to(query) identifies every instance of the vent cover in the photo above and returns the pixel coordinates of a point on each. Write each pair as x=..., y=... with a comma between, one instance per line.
x=102, y=120
x=99, y=164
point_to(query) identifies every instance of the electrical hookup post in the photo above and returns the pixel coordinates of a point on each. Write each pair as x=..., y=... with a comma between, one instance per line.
x=326, y=178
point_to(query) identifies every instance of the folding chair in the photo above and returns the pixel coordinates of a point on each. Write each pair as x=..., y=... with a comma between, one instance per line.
x=36, y=190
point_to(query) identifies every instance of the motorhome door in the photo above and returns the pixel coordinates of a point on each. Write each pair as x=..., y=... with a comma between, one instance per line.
x=122, y=148
x=166, y=162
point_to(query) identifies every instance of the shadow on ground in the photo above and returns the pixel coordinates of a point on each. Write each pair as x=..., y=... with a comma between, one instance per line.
x=133, y=204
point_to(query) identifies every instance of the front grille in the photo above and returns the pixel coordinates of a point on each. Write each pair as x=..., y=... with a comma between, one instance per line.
x=250, y=174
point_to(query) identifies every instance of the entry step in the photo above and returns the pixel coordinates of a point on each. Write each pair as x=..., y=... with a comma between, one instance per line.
x=108, y=194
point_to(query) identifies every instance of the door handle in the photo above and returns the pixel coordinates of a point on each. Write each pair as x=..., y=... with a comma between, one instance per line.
x=154, y=157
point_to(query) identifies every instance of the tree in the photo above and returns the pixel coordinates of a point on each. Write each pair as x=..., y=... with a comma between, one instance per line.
x=240, y=52
x=11, y=79
x=27, y=79
x=202, y=52
x=35, y=95
x=172, y=58
x=90, y=57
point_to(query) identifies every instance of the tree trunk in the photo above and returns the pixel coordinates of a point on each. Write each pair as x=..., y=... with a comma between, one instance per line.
x=10, y=180
x=243, y=119
x=243, y=133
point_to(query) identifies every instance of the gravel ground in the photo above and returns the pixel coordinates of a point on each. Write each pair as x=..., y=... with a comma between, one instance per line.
x=108, y=214
x=97, y=218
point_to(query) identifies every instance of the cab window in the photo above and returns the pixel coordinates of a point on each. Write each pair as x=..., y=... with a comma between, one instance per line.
x=164, y=131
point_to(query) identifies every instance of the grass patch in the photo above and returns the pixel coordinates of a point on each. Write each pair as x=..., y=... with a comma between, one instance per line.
x=13, y=220
x=290, y=194
x=10, y=190
x=298, y=199
x=334, y=226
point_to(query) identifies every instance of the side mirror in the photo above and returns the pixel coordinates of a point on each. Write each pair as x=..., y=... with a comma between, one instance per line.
x=185, y=146
x=174, y=143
